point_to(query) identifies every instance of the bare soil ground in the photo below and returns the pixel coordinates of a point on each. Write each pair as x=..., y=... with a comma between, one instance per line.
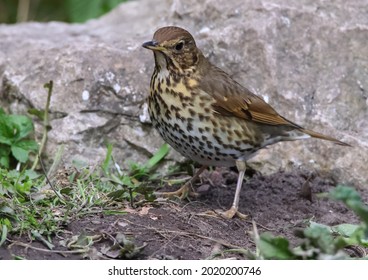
x=280, y=203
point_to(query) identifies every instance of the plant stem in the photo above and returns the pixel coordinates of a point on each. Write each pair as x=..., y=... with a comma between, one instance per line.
x=46, y=123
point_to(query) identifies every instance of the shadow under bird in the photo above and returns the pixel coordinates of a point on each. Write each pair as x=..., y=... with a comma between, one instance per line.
x=205, y=115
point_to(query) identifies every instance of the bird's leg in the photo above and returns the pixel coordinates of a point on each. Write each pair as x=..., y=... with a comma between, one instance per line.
x=186, y=189
x=240, y=164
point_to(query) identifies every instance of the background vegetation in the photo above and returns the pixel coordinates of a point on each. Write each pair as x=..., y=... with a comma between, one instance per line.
x=13, y=11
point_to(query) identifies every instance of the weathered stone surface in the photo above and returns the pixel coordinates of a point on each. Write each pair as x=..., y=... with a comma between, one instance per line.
x=307, y=58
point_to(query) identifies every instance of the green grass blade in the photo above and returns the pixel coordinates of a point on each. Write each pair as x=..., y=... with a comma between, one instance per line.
x=4, y=233
x=158, y=156
x=108, y=158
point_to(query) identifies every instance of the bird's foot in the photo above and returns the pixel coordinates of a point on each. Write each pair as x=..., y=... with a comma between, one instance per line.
x=229, y=214
x=184, y=192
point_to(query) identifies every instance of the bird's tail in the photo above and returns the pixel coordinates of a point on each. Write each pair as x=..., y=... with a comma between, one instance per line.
x=324, y=137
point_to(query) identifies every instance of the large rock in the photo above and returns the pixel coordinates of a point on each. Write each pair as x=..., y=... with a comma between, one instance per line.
x=307, y=58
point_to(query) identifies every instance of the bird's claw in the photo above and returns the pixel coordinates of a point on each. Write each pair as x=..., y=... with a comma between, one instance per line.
x=183, y=193
x=229, y=214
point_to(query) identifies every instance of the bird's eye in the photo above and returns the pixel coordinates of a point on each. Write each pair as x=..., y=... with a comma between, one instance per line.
x=179, y=46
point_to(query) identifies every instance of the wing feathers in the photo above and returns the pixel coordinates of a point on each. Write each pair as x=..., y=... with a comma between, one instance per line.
x=232, y=99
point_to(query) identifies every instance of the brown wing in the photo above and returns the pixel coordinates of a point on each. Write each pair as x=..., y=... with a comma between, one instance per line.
x=232, y=99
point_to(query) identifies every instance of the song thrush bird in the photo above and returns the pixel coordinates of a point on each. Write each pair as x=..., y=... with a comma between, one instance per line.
x=207, y=116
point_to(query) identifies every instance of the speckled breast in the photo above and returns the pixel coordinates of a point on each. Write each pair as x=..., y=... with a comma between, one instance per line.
x=185, y=120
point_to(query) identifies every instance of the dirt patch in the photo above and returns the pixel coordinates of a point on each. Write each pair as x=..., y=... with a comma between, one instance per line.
x=279, y=203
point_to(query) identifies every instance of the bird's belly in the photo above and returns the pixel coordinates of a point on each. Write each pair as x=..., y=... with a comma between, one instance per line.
x=195, y=133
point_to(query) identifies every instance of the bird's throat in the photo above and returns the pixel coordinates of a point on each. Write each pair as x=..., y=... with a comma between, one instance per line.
x=161, y=65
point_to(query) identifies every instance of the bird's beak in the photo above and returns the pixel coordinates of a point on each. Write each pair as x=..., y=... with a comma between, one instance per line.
x=152, y=45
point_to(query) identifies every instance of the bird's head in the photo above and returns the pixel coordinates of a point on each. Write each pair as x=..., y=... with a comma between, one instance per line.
x=174, y=49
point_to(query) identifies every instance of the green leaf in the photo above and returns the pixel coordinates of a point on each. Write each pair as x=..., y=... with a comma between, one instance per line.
x=31, y=174
x=113, y=212
x=346, y=230
x=20, y=150
x=4, y=161
x=6, y=131
x=38, y=113
x=13, y=128
x=118, y=194
x=24, y=187
x=22, y=125
x=352, y=200
x=4, y=233
x=318, y=225
x=274, y=247
x=4, y=150
x=122, y=180
x=4, y=155
x=4, y=209
x=321, y=238
x=20, y=154
x=345, y=194
x=14, y=174
x=29, y=145
x=158, y=156
x=106, y=163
